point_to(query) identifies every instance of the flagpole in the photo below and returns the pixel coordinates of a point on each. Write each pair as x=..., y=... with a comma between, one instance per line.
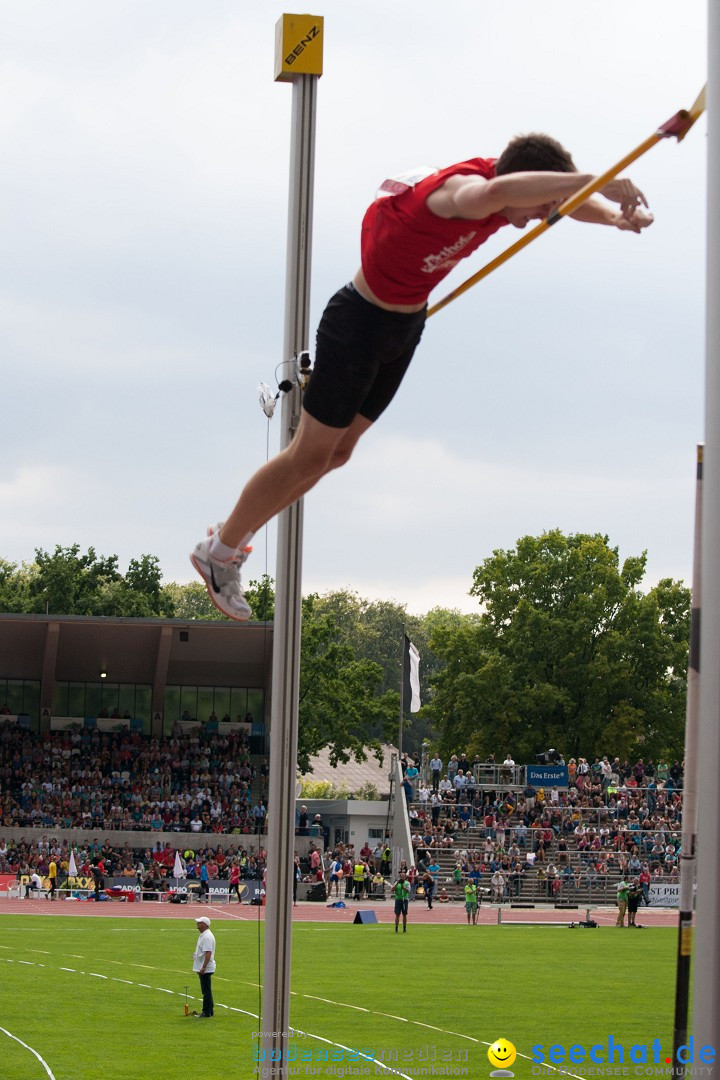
x=402, y=695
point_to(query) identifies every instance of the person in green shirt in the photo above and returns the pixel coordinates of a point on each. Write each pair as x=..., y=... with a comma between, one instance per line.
x=401, y=894
x=471, y=902
x=622, y=902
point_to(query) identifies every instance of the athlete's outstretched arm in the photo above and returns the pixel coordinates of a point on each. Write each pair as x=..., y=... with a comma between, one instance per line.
x=476, y=198
x=597, y=211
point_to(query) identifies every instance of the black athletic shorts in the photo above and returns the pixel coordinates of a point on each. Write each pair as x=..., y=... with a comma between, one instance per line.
x=362, y=353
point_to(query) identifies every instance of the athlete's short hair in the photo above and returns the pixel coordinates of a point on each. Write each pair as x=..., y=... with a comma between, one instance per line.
x=534, y=153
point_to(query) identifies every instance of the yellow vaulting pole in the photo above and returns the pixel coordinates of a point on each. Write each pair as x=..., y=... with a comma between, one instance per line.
x=678, y=125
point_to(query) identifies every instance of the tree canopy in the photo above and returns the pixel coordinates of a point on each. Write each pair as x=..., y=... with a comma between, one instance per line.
x=67, y=582
x=566, y=652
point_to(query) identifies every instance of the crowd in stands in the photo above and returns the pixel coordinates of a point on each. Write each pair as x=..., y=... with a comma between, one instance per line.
x=615, y=820
x=150, y=868
x=199, y=781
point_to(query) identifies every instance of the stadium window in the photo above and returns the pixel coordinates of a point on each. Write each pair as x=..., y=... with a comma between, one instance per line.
x=143, y=706
x=31, y=699
x=256, y=705
x=188, y=701
x=222, y=702
x=171, y=710
x=60, y=701
x=205, y=702
x=76, y=699
x=14, y=696
x=238, y=702
x=96, y=699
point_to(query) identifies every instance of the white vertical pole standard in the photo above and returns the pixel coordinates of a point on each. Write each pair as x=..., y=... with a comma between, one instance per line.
x=298, y=39
x=688, y=850
x=706, y=986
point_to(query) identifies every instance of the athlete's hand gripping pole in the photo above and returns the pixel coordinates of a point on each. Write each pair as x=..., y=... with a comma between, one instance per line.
x=678, y=125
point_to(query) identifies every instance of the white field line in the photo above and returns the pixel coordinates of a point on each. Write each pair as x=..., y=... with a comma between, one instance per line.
x=231, y=1008
x=42, y=1061
x=308, y=1034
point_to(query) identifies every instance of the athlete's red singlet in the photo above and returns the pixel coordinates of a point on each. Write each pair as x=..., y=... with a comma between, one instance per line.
x=407, y=250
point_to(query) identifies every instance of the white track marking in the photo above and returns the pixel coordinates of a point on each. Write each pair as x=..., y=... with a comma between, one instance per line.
x=228, y=914
x=344, y=1004
x=432, y=1027
x=231, y=1008
x=311, y=997
x=42, y=1061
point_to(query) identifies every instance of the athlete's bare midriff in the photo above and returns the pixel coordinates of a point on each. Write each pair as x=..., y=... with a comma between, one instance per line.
x=367, y=294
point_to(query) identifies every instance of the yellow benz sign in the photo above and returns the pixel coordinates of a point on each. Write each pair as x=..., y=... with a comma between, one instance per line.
x=298, y=46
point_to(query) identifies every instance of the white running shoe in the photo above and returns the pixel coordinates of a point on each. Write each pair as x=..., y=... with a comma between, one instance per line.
x=222, y=580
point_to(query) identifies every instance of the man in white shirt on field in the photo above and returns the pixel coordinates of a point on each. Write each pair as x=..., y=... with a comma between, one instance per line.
x=204, y=965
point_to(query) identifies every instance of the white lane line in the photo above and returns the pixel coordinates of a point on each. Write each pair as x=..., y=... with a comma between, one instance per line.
x=228, y=914
x=307, y=1034
x=343, y=1004
x=42, y=1061
x=419, y=1023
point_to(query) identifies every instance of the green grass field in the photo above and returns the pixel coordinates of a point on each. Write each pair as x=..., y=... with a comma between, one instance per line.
x=454, y=988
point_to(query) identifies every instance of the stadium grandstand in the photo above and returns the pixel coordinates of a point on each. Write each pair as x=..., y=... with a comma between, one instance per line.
x=127, y=740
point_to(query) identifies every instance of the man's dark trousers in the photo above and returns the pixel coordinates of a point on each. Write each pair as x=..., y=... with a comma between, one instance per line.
x=206, y=987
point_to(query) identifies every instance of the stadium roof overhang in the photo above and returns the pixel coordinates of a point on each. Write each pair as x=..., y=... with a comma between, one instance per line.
x=159, y=652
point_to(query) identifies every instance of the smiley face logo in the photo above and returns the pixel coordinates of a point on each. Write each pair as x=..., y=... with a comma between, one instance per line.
x=502, y=1053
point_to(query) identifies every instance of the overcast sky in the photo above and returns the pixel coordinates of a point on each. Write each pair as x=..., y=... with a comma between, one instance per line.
x=143, y=205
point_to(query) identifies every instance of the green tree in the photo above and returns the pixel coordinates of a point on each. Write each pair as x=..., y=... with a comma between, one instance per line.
x=375, y=630
x=566, y=652
x=191, y=601
x=342, y=702
x=14, y=587
x=261, y=597
x=68, y=582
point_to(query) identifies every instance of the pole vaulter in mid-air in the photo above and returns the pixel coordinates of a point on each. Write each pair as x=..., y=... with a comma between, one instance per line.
x=413, y=235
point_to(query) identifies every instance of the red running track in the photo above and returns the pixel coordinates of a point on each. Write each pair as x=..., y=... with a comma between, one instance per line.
x=449, y=914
